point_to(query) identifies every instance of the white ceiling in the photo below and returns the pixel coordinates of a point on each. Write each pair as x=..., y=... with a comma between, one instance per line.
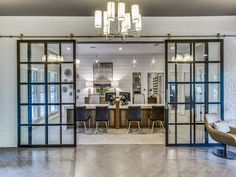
x=113, y=49
x=87, y=7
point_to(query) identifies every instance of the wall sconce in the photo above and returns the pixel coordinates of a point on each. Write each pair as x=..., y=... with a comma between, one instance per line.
x=89, y=84
x=77, y=62
x=134, y=62
x=153, y=62
x=115, y=84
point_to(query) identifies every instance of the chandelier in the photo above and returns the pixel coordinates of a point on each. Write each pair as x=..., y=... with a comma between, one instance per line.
x=121, y=25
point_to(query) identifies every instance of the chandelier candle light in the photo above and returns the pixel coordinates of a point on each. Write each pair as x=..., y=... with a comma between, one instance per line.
x=182, y=58
x=53, y=58
x=126, y=23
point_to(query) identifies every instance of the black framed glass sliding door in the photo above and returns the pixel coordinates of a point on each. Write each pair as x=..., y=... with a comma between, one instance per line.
x=46, y=84
x=194, y=87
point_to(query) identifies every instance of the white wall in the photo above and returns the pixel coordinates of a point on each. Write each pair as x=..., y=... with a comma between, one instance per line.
x=84, y=26
x=8, y=93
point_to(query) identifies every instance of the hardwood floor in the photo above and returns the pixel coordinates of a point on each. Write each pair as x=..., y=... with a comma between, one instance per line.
x=114, y=161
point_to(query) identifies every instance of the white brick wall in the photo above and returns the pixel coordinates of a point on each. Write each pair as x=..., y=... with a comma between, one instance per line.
x=84, y=26
x=230, y=78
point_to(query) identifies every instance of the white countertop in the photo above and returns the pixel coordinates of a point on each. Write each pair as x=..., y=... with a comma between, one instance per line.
x=143, y=106
x=93, y=106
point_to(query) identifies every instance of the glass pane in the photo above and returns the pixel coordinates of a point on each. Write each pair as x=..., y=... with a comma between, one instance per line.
x=171, y=114
x=200, y=53
x=38, y=114
x=184, y=93
x=214, y=51
x=37, y=52
x=200, y=134
x=136, y=82
x=53, y=134
x=67, y=93
x=214, y=72
x=54, y=53
x=23, y=52
x=24, y=94
x=38, y=135
x=199, y=112
x=171, y=93
x=199, y=72
x=183, y=134
x=37, y=73
x=171, y=134
x=53, y=73
x=67, y=73
x=24, y=135
x=37, y=93
x=53, y=48
x=183, y=49
x=67, y=135
x=24, y=114
x=214, y=108
x=183, y=72
x=53, y=93
x=67, y=51
x=68, y=117
x=200, y=93
x=23, y=73
x=171, y=51
x=53, y=114
x=171, y=72
x=183, y=113
x=214, y=92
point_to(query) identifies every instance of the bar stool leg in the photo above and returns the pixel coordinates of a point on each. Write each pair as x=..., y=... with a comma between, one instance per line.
x=106, y=126
x=96, y=127
x=77, y=126
x=153, y=123
x=129, y=126
x=85, y=129
x=162, y=127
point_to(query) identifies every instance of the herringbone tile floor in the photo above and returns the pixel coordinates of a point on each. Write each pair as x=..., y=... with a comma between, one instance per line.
x=114, y=161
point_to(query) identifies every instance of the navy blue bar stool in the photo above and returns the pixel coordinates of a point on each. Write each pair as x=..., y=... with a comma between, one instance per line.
x=82, y=116
x=101, y=116
x=134, y=115
x=158, y=115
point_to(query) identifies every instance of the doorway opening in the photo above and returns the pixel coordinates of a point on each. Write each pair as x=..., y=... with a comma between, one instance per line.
x=121, y=69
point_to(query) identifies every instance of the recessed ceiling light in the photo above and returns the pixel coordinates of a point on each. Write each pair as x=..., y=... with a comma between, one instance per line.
x=120, y=48
x=68, y=48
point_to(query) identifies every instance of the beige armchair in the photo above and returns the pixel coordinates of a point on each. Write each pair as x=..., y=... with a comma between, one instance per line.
x=221, y=137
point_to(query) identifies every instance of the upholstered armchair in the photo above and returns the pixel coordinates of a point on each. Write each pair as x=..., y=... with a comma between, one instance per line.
x=225, y=135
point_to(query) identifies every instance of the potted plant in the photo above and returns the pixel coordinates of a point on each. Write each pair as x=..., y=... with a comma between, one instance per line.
x=101, y=90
